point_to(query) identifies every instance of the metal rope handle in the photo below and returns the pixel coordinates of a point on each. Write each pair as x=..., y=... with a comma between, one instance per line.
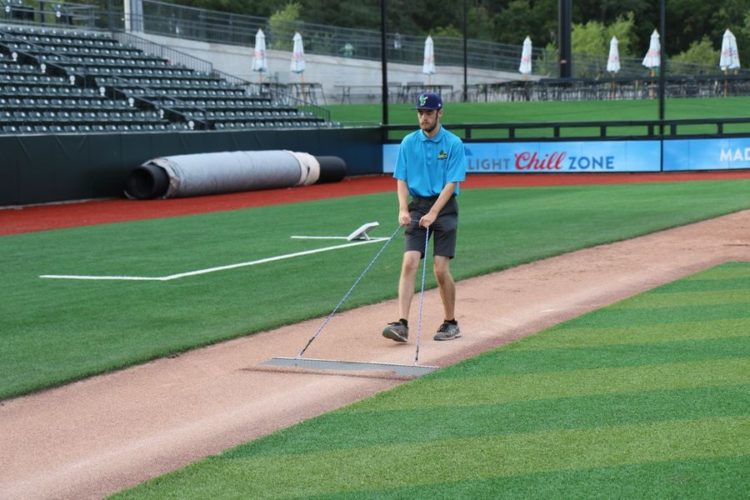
x=346, y=296
x=421, y=293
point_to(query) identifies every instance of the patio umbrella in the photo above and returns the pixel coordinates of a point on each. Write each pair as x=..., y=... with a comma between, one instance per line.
x=730, y=57
x=428, y=64
x=613, y=61
x=298, y=56
x=652, y=59
x=525, y=67
x=260, y=63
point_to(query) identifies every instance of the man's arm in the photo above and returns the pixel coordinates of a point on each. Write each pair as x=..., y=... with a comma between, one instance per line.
x=402, y=190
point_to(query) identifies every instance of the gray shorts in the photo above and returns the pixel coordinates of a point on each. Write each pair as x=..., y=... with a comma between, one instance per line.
x=444, y=228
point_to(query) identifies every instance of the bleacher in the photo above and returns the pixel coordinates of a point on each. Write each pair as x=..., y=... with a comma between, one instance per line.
x=64, y=81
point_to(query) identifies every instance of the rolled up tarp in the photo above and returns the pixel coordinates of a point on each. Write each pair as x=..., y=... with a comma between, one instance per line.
x=213, y=173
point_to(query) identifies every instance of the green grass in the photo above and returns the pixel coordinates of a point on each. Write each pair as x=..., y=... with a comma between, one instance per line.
x=580, y=410
x=556, y=111
x=56, y=331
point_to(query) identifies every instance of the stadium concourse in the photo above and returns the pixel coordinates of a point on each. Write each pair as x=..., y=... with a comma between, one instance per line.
x=98, y=436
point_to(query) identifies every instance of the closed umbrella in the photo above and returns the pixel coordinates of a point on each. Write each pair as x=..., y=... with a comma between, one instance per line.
x=613, y=63
x=525, y=66
x=652, y=60
x=428, y=64
x=260, y=63
x=298, y=56
x=730, y=57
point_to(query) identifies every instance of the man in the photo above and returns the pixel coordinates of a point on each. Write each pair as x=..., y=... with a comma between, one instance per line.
x=431, y=163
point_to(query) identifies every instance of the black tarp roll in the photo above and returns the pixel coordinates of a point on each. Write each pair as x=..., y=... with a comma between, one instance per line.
x=213, y=173
x=332, y=169
x=146, y=182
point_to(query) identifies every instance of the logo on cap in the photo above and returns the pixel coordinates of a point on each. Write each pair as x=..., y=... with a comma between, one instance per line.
x=429, y=101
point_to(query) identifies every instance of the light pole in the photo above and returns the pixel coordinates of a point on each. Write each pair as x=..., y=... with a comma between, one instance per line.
x=384, y=59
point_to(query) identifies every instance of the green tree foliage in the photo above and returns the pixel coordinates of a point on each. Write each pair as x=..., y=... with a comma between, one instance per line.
x=624, y=30
x=282, y=24
x=522, y=18
x=590, y=43
x=702, y=54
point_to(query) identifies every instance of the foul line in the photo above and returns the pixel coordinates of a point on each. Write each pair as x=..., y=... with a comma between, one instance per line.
x=210, y=269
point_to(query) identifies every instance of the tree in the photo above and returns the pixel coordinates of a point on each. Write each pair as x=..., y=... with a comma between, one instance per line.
x=282, y=25
x=589, y=44
x=522, y=18
x=624, y=30
x=701, y=54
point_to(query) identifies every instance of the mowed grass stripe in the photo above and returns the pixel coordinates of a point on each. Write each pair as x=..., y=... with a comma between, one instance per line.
x=661, y=315
x=702, y=285
x=724, y=478
x=478, y=387
x=653, y=334
x=445, y=460
x=621, y=357
x=689, y=298
x=353, y=429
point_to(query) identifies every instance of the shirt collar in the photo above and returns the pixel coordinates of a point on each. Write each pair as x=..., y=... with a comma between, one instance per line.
x=435, y=138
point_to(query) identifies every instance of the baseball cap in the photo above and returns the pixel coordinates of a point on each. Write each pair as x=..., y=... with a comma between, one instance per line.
x=429, y=101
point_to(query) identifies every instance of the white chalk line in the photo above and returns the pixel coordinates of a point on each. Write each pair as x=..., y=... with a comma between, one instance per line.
x=210, y=269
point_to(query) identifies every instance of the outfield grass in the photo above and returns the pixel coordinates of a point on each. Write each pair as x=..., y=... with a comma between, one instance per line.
x=556, y=111
x=648, y=398
x=56, y=331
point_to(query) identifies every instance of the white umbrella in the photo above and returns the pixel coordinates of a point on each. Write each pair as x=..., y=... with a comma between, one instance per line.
x=525, y=67
x=298, y=56
x=613, y=61
x=428, y=64
x=730, y=57
x=260, y=63
x=652, y=59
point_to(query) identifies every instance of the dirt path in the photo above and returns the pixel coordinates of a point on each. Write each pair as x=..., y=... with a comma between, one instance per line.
x=97, y=436
x=100, y=435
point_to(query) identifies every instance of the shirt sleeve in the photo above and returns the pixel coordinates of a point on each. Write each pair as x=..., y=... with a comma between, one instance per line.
x=399, y=171
x=457, y=167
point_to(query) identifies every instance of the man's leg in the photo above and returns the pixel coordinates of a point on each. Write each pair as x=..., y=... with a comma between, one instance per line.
x=446, y=285
x=406, y=282
x=399, y=330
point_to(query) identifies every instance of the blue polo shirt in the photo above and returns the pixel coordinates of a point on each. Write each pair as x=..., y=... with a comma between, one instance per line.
x=428, y=164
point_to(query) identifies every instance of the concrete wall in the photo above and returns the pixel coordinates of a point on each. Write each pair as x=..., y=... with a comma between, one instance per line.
x=331, y=72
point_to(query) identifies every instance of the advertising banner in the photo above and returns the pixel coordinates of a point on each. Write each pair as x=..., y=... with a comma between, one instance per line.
x=553, y=157
x=707, y=154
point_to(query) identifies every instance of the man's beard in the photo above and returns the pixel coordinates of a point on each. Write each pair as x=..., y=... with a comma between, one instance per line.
x=430, y=129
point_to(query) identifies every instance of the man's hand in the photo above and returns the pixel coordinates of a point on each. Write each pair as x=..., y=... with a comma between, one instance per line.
x=427, y=219
x=404, y=218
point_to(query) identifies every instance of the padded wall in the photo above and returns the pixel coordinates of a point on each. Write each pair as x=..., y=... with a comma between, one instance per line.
x=41, y=169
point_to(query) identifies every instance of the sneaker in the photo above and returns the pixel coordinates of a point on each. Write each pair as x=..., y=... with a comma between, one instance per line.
x=396, y=331
x=447, y=331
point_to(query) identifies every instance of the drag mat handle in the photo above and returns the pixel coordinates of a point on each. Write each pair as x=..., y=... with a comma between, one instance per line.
x=347, y=294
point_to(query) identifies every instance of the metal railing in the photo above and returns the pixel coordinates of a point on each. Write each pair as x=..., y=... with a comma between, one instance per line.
x=623, y=129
